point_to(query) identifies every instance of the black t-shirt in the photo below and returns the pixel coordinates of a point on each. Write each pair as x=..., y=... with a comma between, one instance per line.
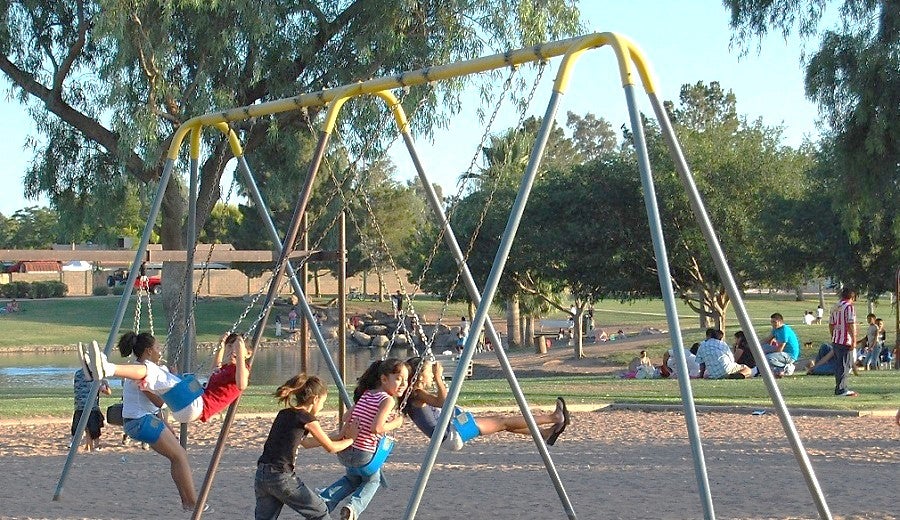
x=288, y=429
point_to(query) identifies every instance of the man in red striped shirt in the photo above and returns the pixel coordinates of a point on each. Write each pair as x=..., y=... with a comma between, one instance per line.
x=842, y=325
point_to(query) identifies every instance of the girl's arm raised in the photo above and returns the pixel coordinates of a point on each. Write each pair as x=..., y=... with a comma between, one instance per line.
x=382, y=425
x=320, y=438
x=220, y=354
x=242, y=372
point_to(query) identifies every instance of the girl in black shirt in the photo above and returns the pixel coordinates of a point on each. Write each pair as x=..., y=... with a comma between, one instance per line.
x=276, y=484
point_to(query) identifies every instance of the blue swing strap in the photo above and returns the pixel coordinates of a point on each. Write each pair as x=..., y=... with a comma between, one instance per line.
x=382, y=452
x=183, y=394
x=464, y=423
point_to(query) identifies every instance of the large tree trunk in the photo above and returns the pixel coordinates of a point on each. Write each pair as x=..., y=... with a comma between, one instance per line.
x=529, y=331
x=513, y=332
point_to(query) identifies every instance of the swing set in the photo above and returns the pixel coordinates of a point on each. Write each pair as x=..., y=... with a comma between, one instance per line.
x=633, y=68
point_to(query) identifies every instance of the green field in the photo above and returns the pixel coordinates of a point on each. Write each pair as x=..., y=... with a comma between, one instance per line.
x=66, y=321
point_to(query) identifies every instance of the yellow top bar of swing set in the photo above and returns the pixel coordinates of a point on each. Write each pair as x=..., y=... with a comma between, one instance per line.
x=627, y=54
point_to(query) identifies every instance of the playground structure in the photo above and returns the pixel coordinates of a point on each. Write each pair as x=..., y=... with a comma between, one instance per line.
x=632, y=67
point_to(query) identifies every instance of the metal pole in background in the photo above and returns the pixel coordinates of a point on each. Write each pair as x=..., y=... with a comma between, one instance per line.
x=263, y=211
x=668, y=294
x=479, y=321
x=187, y=346
x=120, y=314
x=740, y=309
x=304, y=282
x=342, y=303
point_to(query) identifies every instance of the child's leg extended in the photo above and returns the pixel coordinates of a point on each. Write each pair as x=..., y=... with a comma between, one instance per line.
x=364, y=493
x=155, y=378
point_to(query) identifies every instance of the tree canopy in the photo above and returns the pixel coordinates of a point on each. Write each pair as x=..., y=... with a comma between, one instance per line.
x=853, y=78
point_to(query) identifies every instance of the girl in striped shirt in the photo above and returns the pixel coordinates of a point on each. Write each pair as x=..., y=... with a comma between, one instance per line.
x=374, y=414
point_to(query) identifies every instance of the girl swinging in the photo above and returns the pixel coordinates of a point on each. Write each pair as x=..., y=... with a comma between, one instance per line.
x=187, y=400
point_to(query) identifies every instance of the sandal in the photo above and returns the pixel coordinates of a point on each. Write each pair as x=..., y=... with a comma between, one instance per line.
x=559, y=427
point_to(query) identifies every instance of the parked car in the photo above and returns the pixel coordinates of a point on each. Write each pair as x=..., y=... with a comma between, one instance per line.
x=120, y=276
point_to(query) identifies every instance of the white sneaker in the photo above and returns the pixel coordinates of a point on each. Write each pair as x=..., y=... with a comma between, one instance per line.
x=848, y=393
x=96, y=361
x=85, y=364
x=789, y=369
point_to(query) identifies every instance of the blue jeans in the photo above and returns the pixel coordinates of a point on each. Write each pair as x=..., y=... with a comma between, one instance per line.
x=874, y=357
x=275, y=489
x=842, y=365
x=361, y=490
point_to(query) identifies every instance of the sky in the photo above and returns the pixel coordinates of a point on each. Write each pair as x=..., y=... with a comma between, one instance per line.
x=685, y=42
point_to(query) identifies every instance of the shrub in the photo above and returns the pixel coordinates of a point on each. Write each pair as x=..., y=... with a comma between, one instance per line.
x=15, y=290
x=118, y=290
x=49, y=289
x=100, y=290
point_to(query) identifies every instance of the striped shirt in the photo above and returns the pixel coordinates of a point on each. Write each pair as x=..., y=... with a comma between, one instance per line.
x=364, y=412
x=842, y=320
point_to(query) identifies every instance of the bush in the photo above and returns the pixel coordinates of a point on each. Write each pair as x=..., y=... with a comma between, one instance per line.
x=100, y=290
x=15, y=290
x=49, y=289
x=118, y=290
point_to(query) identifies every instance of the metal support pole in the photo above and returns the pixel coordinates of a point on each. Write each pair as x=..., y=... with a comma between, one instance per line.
x=187, y=346
x=668, y=294
x=480, y=319
x=342, y=303
x=263, y=211
x=304, y=282
x=120, y=314
x=740, y=309
x=287, y=246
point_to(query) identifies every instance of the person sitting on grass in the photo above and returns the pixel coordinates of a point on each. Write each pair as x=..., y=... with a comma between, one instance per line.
x=427, y=396
x=782, y=347
x=227, y=381
x=717, y=361
x=824, y=363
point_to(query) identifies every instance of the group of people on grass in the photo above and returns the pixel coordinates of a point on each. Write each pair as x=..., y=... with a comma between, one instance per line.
x=416, y=385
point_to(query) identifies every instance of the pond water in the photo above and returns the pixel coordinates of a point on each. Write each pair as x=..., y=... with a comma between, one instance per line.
x=271, y=366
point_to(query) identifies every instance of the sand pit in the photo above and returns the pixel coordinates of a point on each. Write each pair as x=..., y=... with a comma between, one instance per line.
x=614, y=464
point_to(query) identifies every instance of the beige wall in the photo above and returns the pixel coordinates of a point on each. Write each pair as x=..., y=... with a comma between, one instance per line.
x=216, y=282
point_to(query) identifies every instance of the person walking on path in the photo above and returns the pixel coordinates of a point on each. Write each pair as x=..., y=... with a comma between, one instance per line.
x=842, y=325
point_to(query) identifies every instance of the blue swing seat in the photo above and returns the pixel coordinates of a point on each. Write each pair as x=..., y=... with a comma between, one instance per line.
x=146, y=429
x=183, y=394
x=382, y=452
x=464, y=423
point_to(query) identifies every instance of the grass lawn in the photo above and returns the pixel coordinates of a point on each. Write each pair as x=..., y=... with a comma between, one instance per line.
x=68, y=320
x=879, y=390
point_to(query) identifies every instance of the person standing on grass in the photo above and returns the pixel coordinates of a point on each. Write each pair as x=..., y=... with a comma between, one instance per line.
x=842, y=325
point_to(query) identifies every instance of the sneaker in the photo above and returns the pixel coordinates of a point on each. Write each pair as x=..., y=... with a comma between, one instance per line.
x=347, y=514
x=85, y=364
x=848, y=393
x=96, y=359
x=206, y=509
x=789, y=369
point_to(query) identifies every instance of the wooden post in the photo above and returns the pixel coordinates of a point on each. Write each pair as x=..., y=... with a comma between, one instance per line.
x=304, y=324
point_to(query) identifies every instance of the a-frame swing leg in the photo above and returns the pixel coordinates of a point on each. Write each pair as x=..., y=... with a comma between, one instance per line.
x=668, y=295
x=119, y=316
x=490, y=330
x=480, y=319
x=255, y=194
x=287, y=246
x=734, y=294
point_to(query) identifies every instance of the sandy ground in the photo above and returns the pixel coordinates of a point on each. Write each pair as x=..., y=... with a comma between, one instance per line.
x=613, y=464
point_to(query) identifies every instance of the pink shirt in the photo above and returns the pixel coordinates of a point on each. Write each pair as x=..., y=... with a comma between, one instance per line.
x=843, y=316
x=364, y=412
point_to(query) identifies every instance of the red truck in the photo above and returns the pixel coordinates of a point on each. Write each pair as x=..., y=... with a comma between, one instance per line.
x=120, y=276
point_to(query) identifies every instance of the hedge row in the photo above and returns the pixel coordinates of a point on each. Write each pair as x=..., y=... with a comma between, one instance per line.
x=45, y=289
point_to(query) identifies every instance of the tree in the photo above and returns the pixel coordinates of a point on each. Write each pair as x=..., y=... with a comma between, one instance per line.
x=592, y=136
x=852, y=77
x=600, y=245
x=30, y=228
x=743, y=171
x=110, y=80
